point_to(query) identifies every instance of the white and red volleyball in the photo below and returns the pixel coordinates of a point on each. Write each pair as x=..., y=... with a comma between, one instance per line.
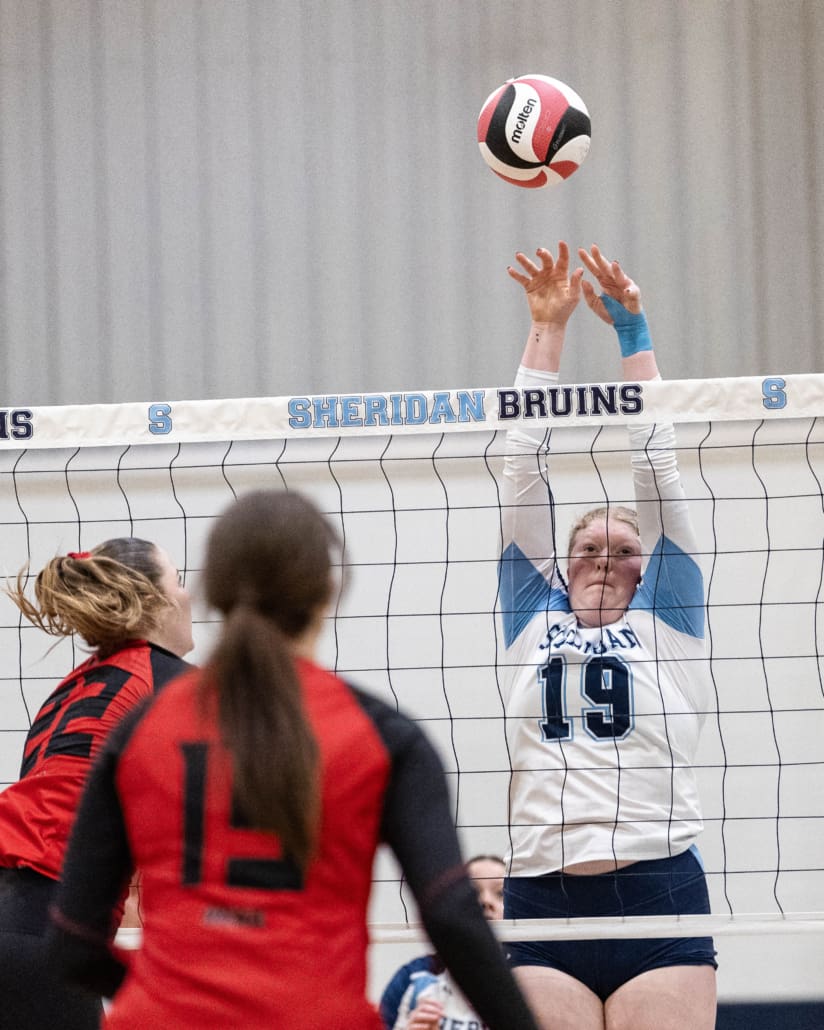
x=534, y=131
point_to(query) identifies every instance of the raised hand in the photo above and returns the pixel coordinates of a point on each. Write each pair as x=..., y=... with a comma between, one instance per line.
x=614, y=282
x=551, y=292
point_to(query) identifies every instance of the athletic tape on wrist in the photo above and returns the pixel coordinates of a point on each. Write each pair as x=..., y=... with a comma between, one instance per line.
x=633, y=331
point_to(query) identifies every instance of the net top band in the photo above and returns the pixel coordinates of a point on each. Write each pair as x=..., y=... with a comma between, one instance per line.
x=412, y=412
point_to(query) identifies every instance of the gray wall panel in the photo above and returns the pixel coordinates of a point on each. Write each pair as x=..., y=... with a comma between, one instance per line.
x=245, y=197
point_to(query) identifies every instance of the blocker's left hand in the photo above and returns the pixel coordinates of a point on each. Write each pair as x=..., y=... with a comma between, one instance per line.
x=552, y=291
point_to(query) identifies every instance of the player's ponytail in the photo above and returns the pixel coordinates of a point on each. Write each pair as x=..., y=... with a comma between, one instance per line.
x=108, y=595
x=268, y=570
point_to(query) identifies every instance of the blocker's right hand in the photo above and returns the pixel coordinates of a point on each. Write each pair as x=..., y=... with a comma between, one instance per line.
x=551, y=292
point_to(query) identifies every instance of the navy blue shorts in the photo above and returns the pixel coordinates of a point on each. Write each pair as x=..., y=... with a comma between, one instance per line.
x=663, y=887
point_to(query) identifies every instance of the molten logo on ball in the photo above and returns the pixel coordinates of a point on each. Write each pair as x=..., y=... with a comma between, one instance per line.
x=534, y=131
x=520, y=121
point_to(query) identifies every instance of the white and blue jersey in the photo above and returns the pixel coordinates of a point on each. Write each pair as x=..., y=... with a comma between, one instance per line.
x=603, y=722
x=422, y=978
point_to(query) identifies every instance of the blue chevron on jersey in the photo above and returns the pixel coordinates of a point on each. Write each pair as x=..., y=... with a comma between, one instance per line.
x=673, y=588
x=524, y=591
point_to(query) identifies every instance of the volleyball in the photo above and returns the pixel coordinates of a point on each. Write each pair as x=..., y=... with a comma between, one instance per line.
x=534, y=131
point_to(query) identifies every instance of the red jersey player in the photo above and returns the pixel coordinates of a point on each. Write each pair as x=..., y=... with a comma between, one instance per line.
x=125, y=600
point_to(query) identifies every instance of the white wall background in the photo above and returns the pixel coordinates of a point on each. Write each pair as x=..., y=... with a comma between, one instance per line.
x=228, y=198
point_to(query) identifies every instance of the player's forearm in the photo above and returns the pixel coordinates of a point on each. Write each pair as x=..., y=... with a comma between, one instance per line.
x=662, y=507
x=83, y=959
x=527, y=519
x=640, y=367
x=634, y=338
x=544, y=346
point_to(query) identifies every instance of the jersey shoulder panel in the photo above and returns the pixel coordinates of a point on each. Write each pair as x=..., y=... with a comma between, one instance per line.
x=525, y=592
x=672, y=588
x=166, y=666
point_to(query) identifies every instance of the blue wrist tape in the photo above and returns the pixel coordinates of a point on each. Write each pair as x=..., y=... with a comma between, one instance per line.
x=633, y=331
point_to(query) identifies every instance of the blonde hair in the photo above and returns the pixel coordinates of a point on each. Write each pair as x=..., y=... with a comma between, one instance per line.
x=629, y=516
x=107, y=596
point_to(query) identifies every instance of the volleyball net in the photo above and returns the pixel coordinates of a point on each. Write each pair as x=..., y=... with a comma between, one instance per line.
x=412, y=482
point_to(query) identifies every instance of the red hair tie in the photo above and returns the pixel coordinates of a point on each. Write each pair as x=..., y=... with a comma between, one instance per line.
x=80, y=555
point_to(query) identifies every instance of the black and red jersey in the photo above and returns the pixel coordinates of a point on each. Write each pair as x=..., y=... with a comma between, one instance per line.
x=36, y=812
x=234, y=934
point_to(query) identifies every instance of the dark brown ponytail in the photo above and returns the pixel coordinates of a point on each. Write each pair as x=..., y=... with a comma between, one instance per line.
x=268, y=570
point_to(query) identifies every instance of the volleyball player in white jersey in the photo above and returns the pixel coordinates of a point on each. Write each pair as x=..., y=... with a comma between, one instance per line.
x=607, y=686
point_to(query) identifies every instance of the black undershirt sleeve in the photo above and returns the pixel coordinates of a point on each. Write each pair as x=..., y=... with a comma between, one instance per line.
x=96, y=873
x=419, y=826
